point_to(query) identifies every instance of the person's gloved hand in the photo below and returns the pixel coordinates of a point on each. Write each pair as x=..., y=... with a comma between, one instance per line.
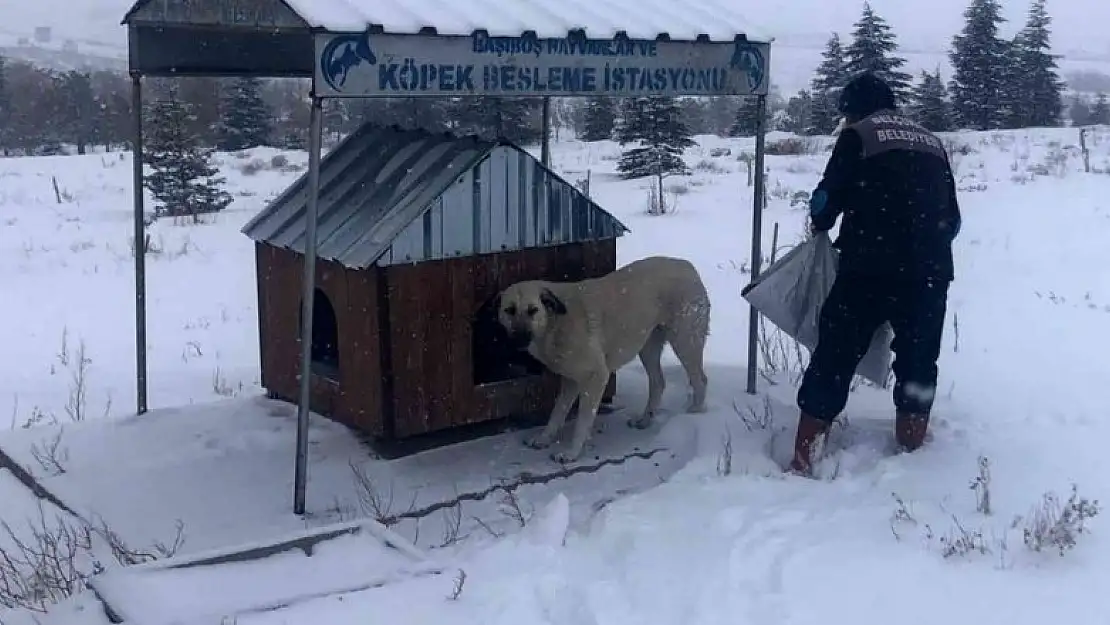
x=818, y=200
x=817, y=203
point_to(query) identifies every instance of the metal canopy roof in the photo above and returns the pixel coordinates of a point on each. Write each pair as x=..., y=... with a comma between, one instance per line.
x=274, y=37
x=376, y=182
x=639, y=19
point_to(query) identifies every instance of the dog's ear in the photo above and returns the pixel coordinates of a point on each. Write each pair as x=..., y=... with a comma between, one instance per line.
x=552, y=303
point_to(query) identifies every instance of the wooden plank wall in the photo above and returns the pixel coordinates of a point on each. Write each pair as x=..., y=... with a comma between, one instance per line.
x=432, y=306
x=354, y=399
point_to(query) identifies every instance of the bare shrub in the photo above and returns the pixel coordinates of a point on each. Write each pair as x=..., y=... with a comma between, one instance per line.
x=459, y=584
x=379, y=505
x=658, y=203
x=793, y=146
x=61, y=196
x=710, y=167
x=724, y=459
x=952, y=146
x=779, y=354
x=373, y=501
x=53, y=559
x=781, y=191
x=1052, y=525
x=510, y=505
x=748, y=159
x=960, y=541
x=63, y=351
x=981, y=486
x=1055, y=164
x=252, y=167
x=50, y=455
x=279, y=161
x=220, y=385
x=902, y=514
x=77, y=401
x=754, y=420
x=151, y=247
x=452, y=525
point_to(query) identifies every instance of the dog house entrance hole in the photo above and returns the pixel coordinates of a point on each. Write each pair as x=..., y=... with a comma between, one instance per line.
x=324, y=353
x=495, y=359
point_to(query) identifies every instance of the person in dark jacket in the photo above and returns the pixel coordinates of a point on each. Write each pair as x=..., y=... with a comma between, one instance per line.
x=890, y=182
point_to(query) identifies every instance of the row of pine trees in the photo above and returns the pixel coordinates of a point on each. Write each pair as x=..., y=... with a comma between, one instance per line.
x=996, y=83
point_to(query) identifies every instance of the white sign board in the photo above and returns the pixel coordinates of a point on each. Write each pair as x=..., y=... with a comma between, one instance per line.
x=359, y=65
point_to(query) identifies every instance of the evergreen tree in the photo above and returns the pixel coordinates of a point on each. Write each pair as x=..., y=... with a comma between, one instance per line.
x=930, y=103
x=1100, y=112
x=5, y=109
x=78, y=108
x=655, y=125
x=183, y=179
x=337, y=119
x=719, y=111
x=746, y=122
x=1034, y=74
x=831, y=75
x=1080, y=113
x=799, y=112
x=599, y=119
x=872, y=49
x=1013, y=101
x=430, y=114
x=695, y=112
x=514, y=119
x=245, y=120
x=979, y=58
x=629, y=126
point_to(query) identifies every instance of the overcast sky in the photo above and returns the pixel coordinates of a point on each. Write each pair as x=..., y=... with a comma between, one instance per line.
x=929, y=24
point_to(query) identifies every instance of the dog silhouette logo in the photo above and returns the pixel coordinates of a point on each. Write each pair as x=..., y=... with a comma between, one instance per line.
x=342, y=54
x=748, y=58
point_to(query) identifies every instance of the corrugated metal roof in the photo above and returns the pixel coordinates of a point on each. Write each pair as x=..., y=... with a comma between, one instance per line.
x=372, y=186
x=640, y=19
x=357, y=220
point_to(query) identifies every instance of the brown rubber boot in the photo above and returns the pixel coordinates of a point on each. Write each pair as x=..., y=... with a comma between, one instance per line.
x=810, y=431
x=910, y=430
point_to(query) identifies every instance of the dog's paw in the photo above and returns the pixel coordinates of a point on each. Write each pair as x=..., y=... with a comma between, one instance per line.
x=537, y=442
x=641, y=423
x=697, y=409
x=564, y=457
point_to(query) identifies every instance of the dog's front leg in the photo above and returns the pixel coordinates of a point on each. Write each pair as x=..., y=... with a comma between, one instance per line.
x=588, y=402
x=568, y=391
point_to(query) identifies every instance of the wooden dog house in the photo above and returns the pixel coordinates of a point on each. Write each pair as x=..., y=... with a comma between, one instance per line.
x=417, y=233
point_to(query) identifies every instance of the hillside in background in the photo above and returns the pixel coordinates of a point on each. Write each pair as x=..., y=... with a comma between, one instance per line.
x=87, y=32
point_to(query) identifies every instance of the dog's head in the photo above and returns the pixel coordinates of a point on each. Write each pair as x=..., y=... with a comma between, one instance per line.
x=526, y=309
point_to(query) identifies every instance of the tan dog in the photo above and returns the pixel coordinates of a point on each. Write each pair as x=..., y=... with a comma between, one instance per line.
x=583, y=331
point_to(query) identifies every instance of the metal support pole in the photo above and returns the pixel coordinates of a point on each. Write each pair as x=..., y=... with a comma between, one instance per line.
x=139, y=246
x=757, y=237
x=545, y=147
x=308, y=283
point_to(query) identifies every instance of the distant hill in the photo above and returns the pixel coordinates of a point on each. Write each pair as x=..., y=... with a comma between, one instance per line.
x=87, y=34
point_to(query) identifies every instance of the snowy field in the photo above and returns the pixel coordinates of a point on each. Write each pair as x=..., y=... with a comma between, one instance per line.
x=705, y=530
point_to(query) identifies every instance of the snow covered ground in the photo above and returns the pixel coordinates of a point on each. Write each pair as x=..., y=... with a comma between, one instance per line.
x=707, y=530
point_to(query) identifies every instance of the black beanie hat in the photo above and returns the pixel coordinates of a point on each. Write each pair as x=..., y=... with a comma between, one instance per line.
x=864, y=94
